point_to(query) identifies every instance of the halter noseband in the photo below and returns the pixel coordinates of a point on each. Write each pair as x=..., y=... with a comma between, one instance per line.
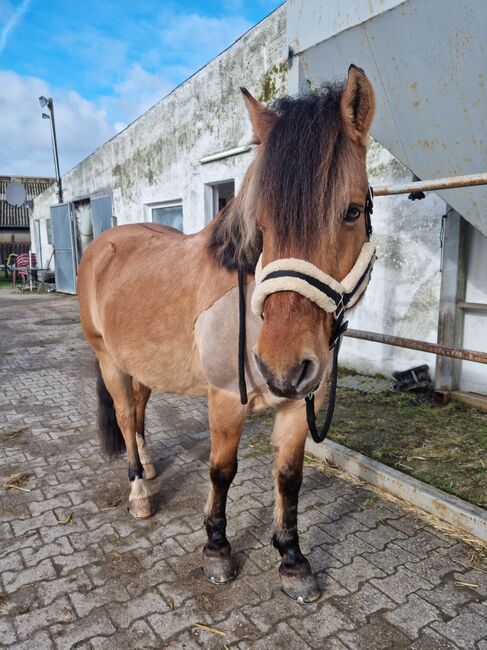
x=302, y=277
x=333, y=296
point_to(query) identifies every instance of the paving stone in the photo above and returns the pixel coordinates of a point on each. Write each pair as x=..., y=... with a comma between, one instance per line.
x=318, y=626
x=431, y=640
x=422, y=543
x=448, y=597
x=138, y=635
x=43, y=571
x=433, y=569
x=57, y=612
x=39, y=640
x=401, y=584
x=283, y=637
x=133, y=608
x=356, y=573
x=33, y=555
x=358, y=606
x=75, y=583
x=68, y=635
x=379, y=537
x=413, y=615
x=465, y=629
x=376, y=635
x=390, y=558
x=7, y=632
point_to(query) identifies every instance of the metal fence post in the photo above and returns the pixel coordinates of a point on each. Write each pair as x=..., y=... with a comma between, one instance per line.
x=450, y=320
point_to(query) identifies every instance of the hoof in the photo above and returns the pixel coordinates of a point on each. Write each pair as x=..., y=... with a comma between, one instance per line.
x=149, y=471
x=303, y=589
x=140, y=508
x=219, y=569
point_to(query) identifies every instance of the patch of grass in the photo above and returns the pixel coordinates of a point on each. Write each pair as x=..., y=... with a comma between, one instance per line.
x=6, y=283
x=445, y=446
x=259, y=444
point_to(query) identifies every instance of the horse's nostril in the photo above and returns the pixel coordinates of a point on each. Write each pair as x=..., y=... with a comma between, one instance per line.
x=308, y=372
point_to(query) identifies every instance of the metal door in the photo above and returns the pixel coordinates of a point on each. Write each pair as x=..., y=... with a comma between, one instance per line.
x=64, y=244
x=37, y=241
x=101, y=213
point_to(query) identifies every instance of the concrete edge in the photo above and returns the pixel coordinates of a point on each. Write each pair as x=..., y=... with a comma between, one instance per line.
x=446, y=507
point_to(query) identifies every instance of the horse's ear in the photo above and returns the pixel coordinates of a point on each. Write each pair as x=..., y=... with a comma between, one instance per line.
x=262, y=118
x=357, y=105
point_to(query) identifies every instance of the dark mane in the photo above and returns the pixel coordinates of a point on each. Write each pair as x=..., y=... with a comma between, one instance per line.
x=305, y=168
x=298, y=180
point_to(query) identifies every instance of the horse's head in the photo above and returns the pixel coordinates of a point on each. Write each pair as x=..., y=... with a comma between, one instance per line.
x=308, y=186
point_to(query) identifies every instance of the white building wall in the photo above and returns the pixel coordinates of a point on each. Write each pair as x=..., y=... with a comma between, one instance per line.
x=156, y=159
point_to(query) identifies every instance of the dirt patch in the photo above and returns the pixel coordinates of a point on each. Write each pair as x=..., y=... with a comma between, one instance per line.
x=445, y=446
x=112, y=496
x=64, y=320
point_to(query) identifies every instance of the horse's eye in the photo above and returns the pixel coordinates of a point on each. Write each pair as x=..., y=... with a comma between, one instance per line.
x=352, y=213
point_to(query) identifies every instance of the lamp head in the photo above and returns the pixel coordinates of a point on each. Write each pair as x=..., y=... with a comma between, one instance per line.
x=45, y=101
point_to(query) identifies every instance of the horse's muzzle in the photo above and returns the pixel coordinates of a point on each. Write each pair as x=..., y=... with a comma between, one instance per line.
x=295, y=382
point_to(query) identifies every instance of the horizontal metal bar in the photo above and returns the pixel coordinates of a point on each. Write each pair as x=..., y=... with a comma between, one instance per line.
x=472, y=306
x=225, y=154
x=436, y=184
x=423, y=346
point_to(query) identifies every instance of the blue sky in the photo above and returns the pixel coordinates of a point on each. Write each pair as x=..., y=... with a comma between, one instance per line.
x=104, y=62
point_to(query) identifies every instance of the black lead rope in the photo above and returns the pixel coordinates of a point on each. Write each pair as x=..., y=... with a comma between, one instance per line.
x=241, y=339
x=339, y=329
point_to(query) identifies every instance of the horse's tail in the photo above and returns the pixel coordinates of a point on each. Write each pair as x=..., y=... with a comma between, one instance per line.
x=111, y=438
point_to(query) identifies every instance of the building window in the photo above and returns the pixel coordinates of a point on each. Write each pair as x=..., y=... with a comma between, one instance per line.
x=217, y=197
x=48, y=231
x=168, y=215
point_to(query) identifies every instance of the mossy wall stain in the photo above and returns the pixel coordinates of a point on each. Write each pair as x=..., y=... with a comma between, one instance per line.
x=273, y=82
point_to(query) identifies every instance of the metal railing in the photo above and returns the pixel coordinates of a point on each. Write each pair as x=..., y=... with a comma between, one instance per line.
x=424, y=346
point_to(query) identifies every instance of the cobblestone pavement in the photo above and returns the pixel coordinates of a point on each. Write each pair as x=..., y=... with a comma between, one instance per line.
x=78, y=572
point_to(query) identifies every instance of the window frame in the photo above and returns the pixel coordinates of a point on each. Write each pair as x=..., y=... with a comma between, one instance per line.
x=175, y=203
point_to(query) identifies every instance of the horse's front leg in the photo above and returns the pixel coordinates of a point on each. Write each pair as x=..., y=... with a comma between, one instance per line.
x=289, y=435
x=226, y=416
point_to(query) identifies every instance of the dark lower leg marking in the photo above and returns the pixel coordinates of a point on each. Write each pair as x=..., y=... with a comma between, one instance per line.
x=216, y=521
x=136, y=471
x=297, y=579
x=285, y=538
x=217, y=551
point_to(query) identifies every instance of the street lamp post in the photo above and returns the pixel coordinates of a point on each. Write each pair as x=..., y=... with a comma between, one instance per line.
x=45, y=101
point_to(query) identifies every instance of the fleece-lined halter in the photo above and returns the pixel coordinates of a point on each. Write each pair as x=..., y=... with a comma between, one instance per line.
x=333, y=296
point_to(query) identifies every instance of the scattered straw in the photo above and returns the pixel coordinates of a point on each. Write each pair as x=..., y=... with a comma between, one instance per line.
x=66, y=521
x=208, y=628
x=471, y=585
x=17, y=481
x=479, y=547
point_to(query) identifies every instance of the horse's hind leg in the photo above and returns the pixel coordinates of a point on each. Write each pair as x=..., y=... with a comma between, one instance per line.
x=141, y=395
x=226, y=417
x=119, y=385
x=289, y=435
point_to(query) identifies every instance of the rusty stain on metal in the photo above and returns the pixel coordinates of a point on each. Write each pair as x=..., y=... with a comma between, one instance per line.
x=448, y=183
x=423, y=346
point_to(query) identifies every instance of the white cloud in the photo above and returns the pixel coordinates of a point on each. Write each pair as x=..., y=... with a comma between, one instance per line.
x=138, y=91
x=26, y=138
x=13, y=17
x=185, y=42
x=202, y=36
